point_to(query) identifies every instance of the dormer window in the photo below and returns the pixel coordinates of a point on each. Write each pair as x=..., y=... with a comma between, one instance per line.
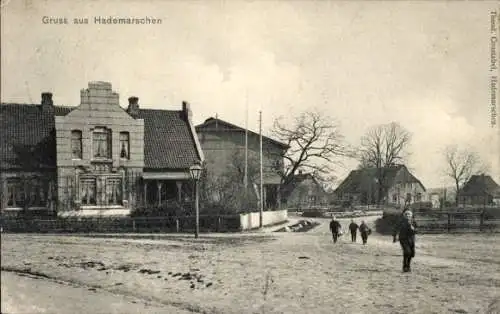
x=124, y=145
x=101, y=142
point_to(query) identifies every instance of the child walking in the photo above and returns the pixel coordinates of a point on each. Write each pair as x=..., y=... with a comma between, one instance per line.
x=406, y=233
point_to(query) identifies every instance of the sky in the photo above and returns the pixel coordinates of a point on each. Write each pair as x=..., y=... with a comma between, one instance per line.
x=424, y=65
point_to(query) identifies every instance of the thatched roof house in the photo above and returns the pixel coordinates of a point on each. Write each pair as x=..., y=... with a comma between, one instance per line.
x=480, y=190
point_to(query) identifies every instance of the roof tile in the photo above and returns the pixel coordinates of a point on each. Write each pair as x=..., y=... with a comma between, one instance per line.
x=168, y=142
x=28, y=137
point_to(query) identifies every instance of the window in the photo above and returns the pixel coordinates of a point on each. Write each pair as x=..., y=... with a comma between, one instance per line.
x=101, y=191
x=312, y=200
x=101, y=143
x=124, y=145
x=15, y=194
x=37, y=193
x=26, y=193
x=418, y=197
x=76, y=144
x=277, y=165
x=88, y=191
x=114, y=191
x=394, y=197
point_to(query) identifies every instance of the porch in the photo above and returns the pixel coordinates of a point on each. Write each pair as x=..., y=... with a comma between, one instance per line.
x=171, y=191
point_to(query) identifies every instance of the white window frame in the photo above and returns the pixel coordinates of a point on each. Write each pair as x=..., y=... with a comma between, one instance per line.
x=127, y=134
x=102, y=191
x=80, y=185
x=25, y=192
x=109, y=143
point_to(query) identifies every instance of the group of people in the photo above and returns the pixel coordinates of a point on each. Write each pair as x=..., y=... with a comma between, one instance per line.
x=404, y=231
x=337, y=231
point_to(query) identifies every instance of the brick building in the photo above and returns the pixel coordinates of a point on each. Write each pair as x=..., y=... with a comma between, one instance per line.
x=96, y=157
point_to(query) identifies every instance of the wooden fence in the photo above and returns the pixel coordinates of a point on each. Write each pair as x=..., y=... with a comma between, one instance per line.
x=456, y=222
x=184, y=224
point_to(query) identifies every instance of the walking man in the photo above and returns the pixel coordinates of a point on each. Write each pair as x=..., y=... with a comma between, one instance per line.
x=406, y=232
x=335, y=228
x=353, y=227
x=365, y=231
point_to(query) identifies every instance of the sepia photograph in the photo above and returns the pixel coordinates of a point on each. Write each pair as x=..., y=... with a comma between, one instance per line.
x=249, y=156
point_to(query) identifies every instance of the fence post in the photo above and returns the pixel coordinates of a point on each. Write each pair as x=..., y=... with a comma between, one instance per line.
x=449, y=222
x=177, y=224
x=133, y=225
x=219, y=223
x=481, y=221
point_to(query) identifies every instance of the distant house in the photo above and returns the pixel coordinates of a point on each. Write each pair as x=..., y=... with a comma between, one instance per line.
x=94, y=158
x=305, y=191
x=437, y=195
x=223, y=142
x=480, y=190
x=362, y=186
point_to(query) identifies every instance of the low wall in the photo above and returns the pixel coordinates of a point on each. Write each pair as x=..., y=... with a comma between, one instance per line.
x=252, y=220
x=121, y=224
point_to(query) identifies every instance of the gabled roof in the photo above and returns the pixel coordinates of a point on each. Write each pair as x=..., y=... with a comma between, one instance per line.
x=362, y=179
x=168, y=142
x=480, y=185
x=28, y=137
x=217, y=125
x=297, y=180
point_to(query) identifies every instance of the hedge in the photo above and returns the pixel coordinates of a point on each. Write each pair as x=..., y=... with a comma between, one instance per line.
x=389, y=220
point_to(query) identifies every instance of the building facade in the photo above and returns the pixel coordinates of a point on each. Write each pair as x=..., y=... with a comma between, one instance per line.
x=305, y=192
x=400, y=187
x=223, y=145
x=479, y=190
x=95, y=158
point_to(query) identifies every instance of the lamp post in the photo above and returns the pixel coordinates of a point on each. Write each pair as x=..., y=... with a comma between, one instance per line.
x=195, y=172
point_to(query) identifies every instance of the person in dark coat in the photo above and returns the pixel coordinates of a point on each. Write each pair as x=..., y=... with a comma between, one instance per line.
x=405, y=231
x=365, y=231
x=353, y=227
x=335, y=228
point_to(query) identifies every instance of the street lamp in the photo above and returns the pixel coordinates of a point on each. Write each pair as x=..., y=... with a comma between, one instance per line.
x=195, y=171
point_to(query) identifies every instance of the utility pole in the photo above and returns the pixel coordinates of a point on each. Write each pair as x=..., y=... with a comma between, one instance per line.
x=445, y=198
x=245, y=183
x=261, y=174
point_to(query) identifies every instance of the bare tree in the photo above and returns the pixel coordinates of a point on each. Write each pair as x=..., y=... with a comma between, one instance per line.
x=236, y=168
x=226, y=191
x=461, y=165
x=315, y=143
x=383, y=146
x=327, y=181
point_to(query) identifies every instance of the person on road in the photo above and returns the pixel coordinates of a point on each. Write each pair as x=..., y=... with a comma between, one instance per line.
x=365, y=231
x=406, y=230
x=353, y=227
x=335, y=228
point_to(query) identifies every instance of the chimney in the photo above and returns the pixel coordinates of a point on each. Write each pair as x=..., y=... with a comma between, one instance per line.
x=133, y=105
x=186, y=108
x=47, y=99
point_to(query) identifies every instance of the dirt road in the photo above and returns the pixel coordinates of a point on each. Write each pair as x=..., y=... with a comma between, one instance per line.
x=30, y=295
x=271, y=272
